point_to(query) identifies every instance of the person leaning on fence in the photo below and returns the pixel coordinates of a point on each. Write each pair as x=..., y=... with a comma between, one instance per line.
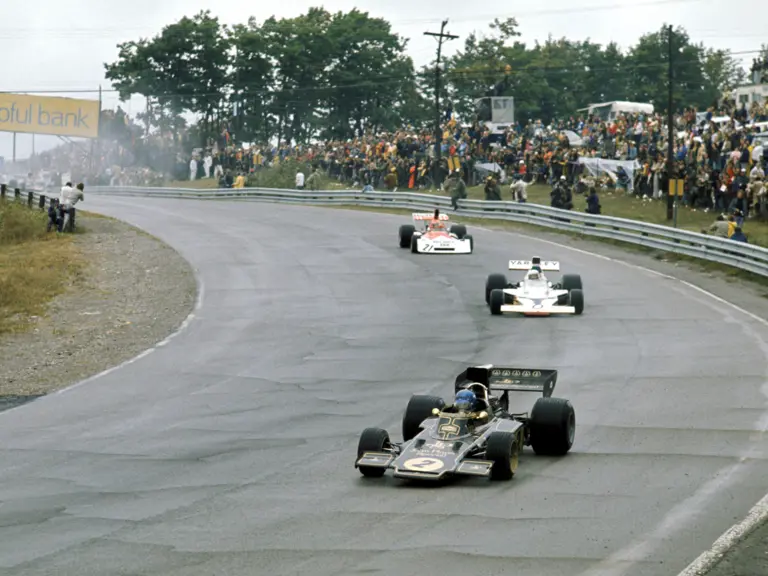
x=67, y=200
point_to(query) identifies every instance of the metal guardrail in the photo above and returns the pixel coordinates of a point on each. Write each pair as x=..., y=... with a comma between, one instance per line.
x=663, y=238
x=31, y=197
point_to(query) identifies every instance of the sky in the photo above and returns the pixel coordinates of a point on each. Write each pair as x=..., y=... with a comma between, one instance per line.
x=61, y=47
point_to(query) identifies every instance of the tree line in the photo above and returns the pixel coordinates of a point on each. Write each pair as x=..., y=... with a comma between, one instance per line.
x=337, y=75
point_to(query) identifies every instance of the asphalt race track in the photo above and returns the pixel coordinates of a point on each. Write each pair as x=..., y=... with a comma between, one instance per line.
x=230, y=450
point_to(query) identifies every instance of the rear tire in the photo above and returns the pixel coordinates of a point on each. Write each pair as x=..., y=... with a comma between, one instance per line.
x=576, y=298
x=571, y=282
x=497, y=301
x=502, y=449
x=552, y=426
x=459, y=229
x=494, y=282
x=419, y=409
x=406, y=233
x=372, y=440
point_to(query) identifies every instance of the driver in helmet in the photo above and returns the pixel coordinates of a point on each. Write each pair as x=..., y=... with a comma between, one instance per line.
x=466, y=404
x=436, y=224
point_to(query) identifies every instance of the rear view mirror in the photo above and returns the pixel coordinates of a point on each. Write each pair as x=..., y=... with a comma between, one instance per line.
x=435, y=411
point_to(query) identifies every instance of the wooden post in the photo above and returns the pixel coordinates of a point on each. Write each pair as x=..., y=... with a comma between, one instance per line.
x=42, y=202
x=3, y=189
x=17, y=194
x=30, y=199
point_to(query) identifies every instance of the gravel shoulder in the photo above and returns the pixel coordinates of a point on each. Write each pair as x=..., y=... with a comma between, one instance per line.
x=748, y=558
x=135, y=291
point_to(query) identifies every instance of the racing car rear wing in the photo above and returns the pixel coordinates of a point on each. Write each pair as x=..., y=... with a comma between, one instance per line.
x=418, y=216
x=505, y=378
x=545, y=266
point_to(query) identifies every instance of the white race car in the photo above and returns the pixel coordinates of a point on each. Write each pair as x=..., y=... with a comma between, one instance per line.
x=534, y=295
x=435, y=237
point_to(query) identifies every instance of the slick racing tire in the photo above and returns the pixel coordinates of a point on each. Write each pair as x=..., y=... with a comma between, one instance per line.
x=496, y=302
x=459, y=229
x=576, y=299
x=372, y=440
x=552, y=426
x=571, y=282
x=406, y=233
x=503, y=450
x=419, y=409
x=468, y=238
x=414, y=245
x=494, y=282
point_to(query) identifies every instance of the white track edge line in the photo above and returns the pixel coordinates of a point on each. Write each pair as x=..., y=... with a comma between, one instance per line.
x=200, y=288
x=759, y=512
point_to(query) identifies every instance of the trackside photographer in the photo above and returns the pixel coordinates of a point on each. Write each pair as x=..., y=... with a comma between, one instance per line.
x=67, y=199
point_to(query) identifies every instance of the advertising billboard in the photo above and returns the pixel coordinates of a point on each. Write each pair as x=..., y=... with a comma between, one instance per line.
x=49, y=115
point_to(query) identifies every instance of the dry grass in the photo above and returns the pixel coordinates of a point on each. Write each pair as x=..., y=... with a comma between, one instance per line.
x=205, y=184
x=35, y=267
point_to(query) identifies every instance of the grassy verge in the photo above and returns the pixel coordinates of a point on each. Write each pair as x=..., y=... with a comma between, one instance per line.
x=35, y=267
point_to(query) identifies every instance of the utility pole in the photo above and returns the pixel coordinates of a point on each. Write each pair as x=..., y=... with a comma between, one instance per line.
x=438, y=131
x=671, y=192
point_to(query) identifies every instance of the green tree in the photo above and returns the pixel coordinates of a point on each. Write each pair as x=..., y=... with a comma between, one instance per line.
x=299, y=50
x=183, y=69
x=648, y=62
x=252, y=80
x=370, y=79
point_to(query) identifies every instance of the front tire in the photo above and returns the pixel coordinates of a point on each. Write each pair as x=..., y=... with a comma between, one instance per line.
x=406, y=233
x=415, y=244
x=503, y=450
x=471, y=241
x=372, y=440
x=419, y=409
x=497, y=301
x=576, y=298
x=459, y=229
x=494, y=282
x=571, y=282
x=552, y=426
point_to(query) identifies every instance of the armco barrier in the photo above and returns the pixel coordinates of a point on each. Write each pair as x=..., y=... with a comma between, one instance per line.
x=664, y=238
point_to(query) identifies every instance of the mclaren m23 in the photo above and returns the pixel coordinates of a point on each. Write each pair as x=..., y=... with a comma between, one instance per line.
x=435, y=235
x=535, y=294
x=440, y=442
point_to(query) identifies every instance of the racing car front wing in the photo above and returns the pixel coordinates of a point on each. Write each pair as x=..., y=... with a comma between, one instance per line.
x=468, y=467
x=457, y=246
x=531, y=311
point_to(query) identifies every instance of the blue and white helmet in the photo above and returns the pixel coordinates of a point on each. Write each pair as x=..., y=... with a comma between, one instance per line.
x=465, y=401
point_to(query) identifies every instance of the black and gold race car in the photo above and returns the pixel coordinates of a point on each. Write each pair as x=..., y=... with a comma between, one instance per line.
x=440, y=441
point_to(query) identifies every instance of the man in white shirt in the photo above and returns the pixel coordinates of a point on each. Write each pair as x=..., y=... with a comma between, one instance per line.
x=67, y=199
x=300, y=180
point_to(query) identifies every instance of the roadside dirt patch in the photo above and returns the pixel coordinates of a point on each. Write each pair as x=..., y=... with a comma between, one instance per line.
x=132, y=292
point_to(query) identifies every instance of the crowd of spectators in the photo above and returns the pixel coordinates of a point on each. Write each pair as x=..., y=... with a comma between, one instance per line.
x=718, y=153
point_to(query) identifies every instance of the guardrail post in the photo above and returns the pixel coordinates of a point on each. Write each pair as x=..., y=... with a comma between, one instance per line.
x=17, y=194
x=30, y=199
x=3, y=189
x=42, y=202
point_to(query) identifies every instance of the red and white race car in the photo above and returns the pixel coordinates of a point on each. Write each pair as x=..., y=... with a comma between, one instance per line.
x=436, y=236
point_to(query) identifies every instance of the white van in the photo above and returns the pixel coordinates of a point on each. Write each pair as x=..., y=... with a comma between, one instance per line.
x=608, y=111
